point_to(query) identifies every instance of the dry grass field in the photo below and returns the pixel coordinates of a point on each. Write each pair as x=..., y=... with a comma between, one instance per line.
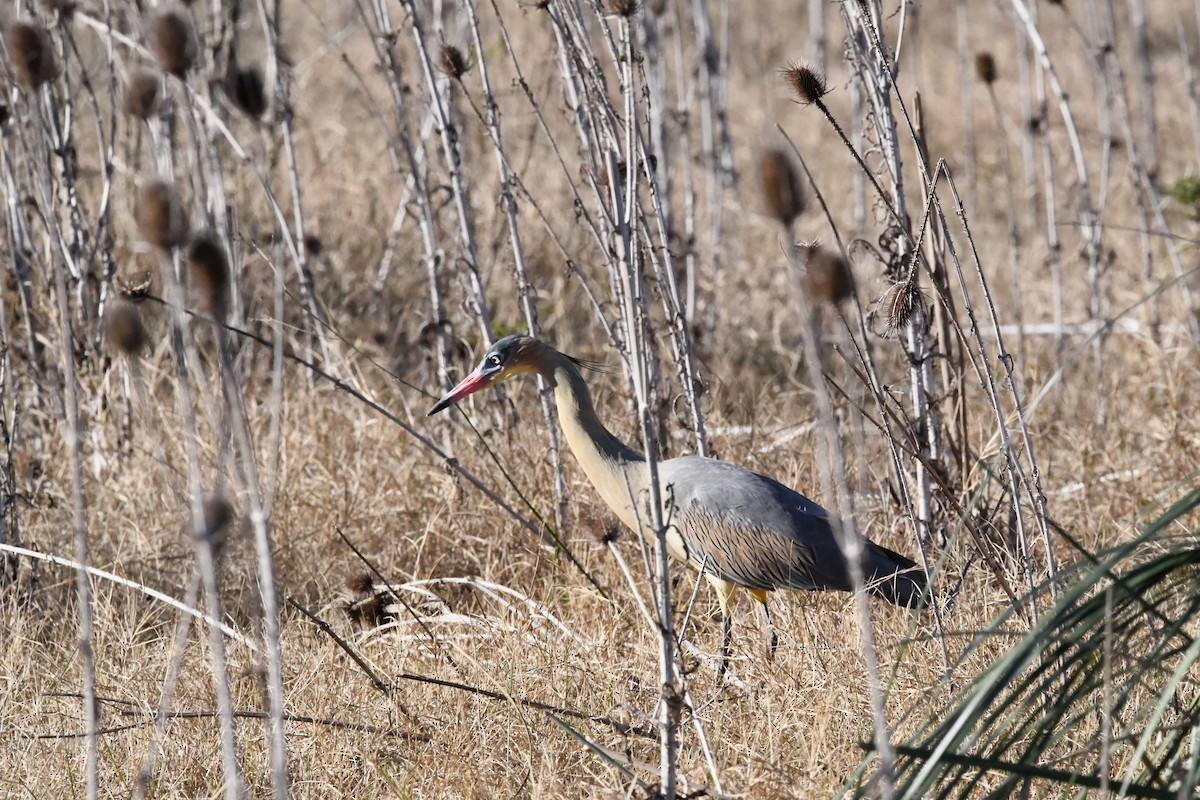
x=214, y=393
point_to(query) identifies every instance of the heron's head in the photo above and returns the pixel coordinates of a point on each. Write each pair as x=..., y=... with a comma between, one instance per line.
x=507, y=358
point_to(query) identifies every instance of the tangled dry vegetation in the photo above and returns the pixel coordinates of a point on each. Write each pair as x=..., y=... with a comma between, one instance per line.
x=246, y=245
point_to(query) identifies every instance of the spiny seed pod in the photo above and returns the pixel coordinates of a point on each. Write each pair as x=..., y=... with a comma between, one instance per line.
x=142, y=93
x=32, y=54
x=244, y=88
x=985, y=67
x=218, y=519
x=360, y=582
x=827, y=275
x=781, y=186
x=161, y=218
x=209, y=274
x=807, y=84
x=454, y=63
x=123, y=327
x=621, y=8
x=64, y=9
x=174, y=40
x=899, y=303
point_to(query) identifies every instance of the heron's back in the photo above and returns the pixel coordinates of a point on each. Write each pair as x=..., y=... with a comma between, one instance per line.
x=760, y=534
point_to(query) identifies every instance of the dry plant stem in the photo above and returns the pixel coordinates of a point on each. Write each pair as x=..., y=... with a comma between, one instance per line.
x=449, y=461
x=966, y=78
x=270, y=25
x=260, y=522
x=623, y=205
x=141, y=786
x=448, y=133
x=182, y=349
x=154, y=594
x=1189, y=76
x=523, y=288
x=1141, y=50
x=1017, y=478
x=1088, y=220
x=385, y=55
x=833, y=477
x=714, y=133
x=72, y=435
x=876, y=75
x=1014, y=233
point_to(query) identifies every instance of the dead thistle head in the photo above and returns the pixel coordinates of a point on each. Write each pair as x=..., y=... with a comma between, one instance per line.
x=123, y=327
x=454, y=63
x=899, y=303
x=142, y=93
x=244, y=87
x=985, y=67
x=32, y=54
x=807, y=84
x=173, y=38
x=781, y=186
x=361, y=582
x=208, y=269
x=161, y=218
x=827, y=275
x=620, y=8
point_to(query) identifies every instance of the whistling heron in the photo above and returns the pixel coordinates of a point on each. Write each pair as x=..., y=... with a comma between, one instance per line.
x=742, y=528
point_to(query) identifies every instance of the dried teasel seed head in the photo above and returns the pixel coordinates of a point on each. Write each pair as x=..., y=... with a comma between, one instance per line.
x=244, y=87
x=454, y=63
x=781, y=186
x=621, y=8
x=123, y=327
x=63, y=9
x=807, y=83
x=32, y=54
x=898, y=305
x=208, y=271
x=173, y=38
x=219, y=516
x=361, y=582
x=827, y=275
x=142, y=93
x=608, y=533
x=985, y=67
x=161, y=218
x=313, y=245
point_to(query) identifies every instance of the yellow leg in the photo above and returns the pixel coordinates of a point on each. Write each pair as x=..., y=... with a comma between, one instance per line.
x=724, y=592
x=770, y=639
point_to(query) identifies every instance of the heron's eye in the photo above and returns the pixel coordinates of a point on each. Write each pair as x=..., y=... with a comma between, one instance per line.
x=493, y=360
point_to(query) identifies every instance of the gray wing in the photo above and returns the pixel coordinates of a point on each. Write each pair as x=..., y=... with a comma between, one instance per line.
x=755, y=531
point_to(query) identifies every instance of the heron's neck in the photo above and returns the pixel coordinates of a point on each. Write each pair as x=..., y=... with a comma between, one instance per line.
x=617, y=471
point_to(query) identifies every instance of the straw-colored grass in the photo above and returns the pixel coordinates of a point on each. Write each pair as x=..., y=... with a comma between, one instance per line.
x=1109, y=460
